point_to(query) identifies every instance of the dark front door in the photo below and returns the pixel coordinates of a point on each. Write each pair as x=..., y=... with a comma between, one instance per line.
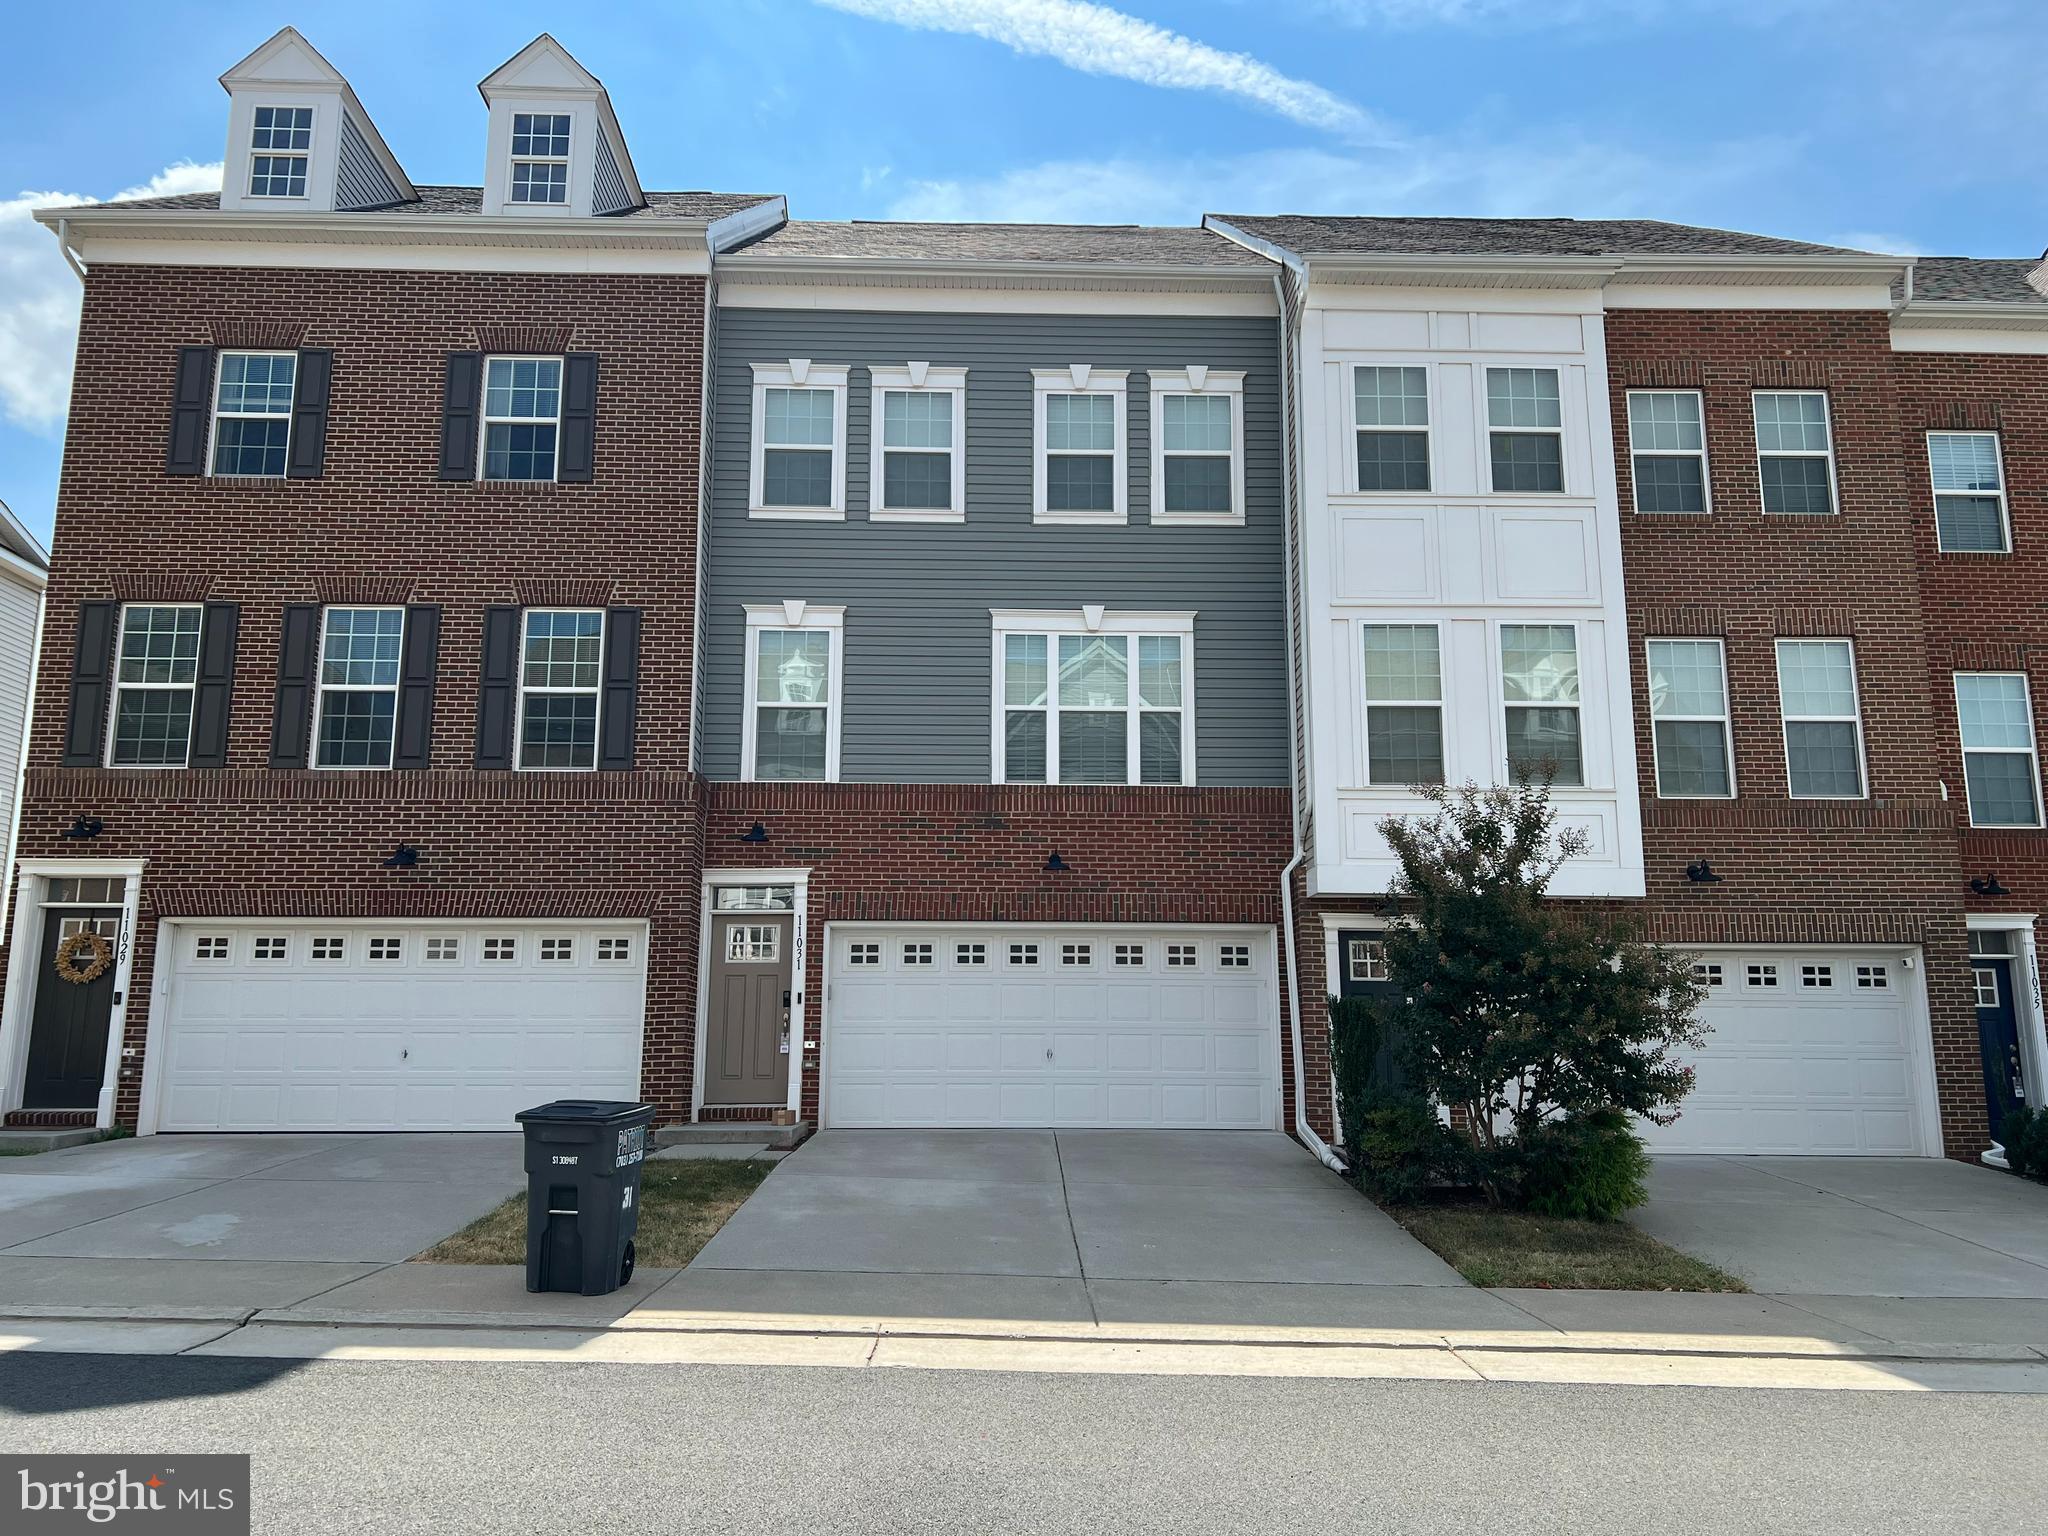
x=1362, y=972
x=746, y=1058
x=1998, y=1039
x=67, y=1040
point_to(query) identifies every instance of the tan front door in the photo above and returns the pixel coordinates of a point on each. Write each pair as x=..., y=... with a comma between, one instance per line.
x=746, y=1058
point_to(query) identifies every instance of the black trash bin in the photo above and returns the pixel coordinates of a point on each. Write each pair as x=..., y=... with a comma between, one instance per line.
x=583, y=1161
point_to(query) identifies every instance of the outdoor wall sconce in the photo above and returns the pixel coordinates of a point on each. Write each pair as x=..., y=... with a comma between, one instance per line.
x=1057, y=865
x=755, y=834
x=407, y=857
x=84, y=827
x=1700, y=872
x=1987, y=885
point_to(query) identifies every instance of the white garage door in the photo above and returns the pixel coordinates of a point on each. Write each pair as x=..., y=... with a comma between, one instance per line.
x=362, y=1027
x=1005, y=1026
x=1822, y=1052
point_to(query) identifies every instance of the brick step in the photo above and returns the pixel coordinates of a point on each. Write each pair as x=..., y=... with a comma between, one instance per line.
x=48, y=1119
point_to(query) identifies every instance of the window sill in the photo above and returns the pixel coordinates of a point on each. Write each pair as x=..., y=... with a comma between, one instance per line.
x=1197, y=519
x=1080, y=519
x=915, y=515
x=798, y=514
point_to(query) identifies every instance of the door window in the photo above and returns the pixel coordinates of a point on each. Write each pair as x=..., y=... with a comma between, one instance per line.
x=749, y=943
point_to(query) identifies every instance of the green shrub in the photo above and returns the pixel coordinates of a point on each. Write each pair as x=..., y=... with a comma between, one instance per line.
x=1392, y=1137
x=1591, y=1167
x=2026, y=1142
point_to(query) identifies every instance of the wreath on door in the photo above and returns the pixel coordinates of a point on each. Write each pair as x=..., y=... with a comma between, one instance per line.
x=84, y=957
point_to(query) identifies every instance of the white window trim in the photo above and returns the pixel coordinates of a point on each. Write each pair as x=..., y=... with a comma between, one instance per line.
x=1564, y=452
x=1090, y=621
x=1700, y=453
x=596, y=691
x=798, y=373
x=312, y=138
x=2031, y=752
x=485, y=420
x=1359, y=428
x=910, y=379
x=1785, y=720
x=1827, y=417
x=321, y=688
x=513, y=161
x=1724, y=718
x=216, y=414
x=1082, y=379
x=1203, y=383
x=114, y=700
x=1502, y=704
x=793, y=614
x=1368, y=705
x=1999, y=495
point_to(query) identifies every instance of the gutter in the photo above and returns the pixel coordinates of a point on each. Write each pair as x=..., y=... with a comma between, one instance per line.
x=71, y=256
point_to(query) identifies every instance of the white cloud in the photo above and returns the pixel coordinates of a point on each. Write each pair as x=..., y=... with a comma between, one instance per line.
x=1101, y=41
x=39, y=298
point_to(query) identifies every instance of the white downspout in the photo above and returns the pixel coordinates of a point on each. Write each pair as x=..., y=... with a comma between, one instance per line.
x=1297, y=782
x=64, y=244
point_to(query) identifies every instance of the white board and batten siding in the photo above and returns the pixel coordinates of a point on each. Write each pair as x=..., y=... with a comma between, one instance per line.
x=997, y=1025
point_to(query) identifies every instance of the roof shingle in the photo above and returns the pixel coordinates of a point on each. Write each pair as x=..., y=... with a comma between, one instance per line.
x=1105, y=244
x=1965, y=279
x=461, y=200
x=1308, y=234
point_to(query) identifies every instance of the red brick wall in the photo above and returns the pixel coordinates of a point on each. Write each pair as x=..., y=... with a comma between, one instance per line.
x=1882, y=870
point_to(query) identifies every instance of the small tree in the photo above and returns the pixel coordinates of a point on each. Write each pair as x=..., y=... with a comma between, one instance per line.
x=1518, y=1010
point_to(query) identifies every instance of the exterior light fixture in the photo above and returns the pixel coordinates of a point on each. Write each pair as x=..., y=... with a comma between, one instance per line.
x=1700, y=872
x=755, y=834
x=407, y=857
x=84, y=827
x=1987, y=885
x=1057, y=865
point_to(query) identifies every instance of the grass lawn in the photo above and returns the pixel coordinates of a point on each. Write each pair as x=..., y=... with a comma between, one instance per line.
x=682, y=1204
x=20, y=1151
x=1513, y=1248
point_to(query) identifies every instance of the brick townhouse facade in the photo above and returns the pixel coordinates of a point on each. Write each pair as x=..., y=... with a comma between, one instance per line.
x=549, y=637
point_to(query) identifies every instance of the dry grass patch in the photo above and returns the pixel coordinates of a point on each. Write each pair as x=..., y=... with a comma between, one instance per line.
x=1497, y=1248
x=682, y=1203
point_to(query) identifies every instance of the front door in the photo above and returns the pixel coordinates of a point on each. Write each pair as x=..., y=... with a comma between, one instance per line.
x=746, y=1058
x=1362, y=972
x=67, y=1041
x=1998, y=1040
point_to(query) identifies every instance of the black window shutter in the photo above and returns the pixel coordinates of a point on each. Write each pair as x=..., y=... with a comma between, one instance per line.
x=498, y=698
x=461, y=402
x=216, y=685
x=92, y=679
x=417, y=661
x=621, y=703
x=292, y=723
x=309, y=415
x=576, y=460
x=189, y=411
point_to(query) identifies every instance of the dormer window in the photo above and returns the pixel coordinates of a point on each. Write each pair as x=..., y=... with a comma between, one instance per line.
x=540, y=157
x=281, y=143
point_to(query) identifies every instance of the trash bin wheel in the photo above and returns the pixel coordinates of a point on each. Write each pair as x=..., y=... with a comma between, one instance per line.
x=626, y=1264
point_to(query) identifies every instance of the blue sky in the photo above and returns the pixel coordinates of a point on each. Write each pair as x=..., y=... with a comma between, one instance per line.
x=1892, y=124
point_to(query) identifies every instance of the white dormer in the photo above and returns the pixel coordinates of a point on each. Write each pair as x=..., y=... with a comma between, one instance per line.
x=299, y=141
x=555, y=149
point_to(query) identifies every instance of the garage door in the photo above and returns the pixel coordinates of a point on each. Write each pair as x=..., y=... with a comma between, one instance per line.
x=377, y=1028
x=1811, y=1052
x=1002, y=1026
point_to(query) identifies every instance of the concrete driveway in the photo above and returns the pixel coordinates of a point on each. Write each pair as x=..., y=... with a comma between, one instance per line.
x=259, y=1221
x=1062, y=1228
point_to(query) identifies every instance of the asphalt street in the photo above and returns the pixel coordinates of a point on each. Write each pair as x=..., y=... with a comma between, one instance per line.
x=568, y=1448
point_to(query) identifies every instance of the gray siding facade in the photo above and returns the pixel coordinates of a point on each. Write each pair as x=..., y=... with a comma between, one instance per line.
x=360, y=181
x=918, y=658
x=608, y=188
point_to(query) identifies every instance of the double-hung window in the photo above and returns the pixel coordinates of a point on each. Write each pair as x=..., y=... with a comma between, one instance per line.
x=281, y=141
x=1996, y=718
x=540, y=157
x=799, y=442
x=1079, y=463
x=561, y=656
x=1689, y=719
x=1667, y=443
x=791, y=726
x=357, y=713
x=1109, y=705
x=1969, y=492
x=1404, y=705
x=1823, y=726
x=522, y=417
x=1539, y=665
x=1197, y=446
x=1795, y=452
x=1525, y=418
x=156, y=670
x=1392, y=421
x=917, y=466
x=252, y=412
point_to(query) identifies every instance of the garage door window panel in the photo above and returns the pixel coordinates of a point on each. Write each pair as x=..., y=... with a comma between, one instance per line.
x=1823, y=726
x=155, y=676
x=1994, y=714
x=358, y=705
